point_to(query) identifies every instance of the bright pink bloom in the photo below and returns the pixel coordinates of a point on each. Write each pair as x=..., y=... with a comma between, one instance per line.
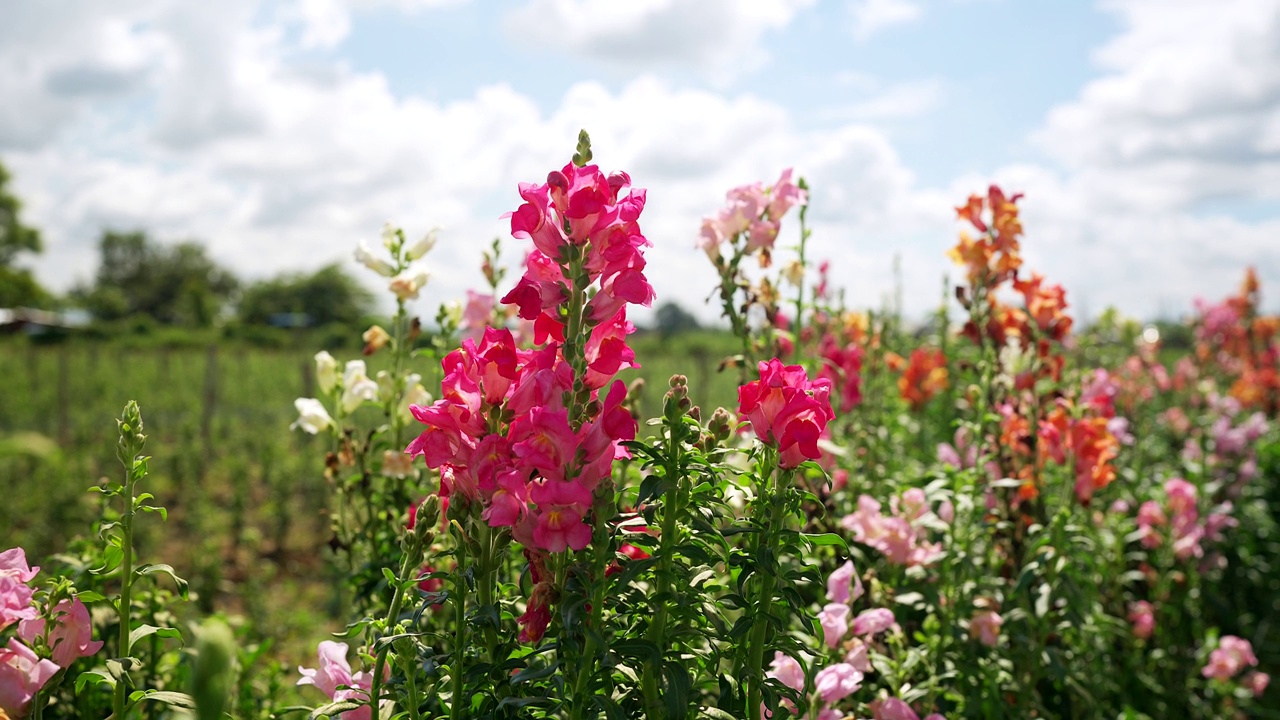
x=1143, y=616
x=787, y=671
x=787, y=410
x=561, y=508
x=1232, y=655
x=839, y=582
x=22, y=675
x=871, y=622
x=834, y=619
x=837, y=682
x=72, y=634
x=985, y=626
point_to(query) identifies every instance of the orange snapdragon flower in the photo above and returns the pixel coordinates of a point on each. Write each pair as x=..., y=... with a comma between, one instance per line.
x=925, y=376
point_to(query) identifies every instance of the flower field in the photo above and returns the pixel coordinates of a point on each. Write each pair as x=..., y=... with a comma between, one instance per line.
x=520, y=507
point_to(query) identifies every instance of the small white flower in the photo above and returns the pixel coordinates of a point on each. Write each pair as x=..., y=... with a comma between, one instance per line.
x=326, y=371
x=366, y=258
x=312, y=416
x=417, y=395
x=357, y=387
x=389, y=238
x=423, y=246
x=412, y=279
x=386, y=386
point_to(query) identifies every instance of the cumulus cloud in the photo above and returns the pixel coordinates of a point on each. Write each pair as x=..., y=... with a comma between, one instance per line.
x=872, y=16
x=719, y=38
x=1188, y=107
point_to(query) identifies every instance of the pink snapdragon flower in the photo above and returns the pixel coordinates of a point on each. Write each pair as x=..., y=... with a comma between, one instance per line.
x=892, y=709
x=72, y=634
x=901, y=536
x=22, y=675
x=873, y=621
x=836, y=682
x=334, y=678
x=1257, y=682
x=834, y=619
x=1143, y=616
x=985, y=627
x=787, y=410
x=859, y=656
x=1231, y=656
x=787, y=671
x=15, y=593
x=838, y=584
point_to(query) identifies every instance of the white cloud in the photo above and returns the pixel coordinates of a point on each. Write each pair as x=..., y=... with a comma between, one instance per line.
x=872, y=16
x=1188, y=107
x=718, y=38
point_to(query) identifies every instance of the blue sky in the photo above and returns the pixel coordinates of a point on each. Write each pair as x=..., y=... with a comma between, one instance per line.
x=1146, y=133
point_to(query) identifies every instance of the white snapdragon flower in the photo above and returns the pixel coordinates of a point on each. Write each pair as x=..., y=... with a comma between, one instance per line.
x=312, y=416
x=417, y=395
x=389, y=236
x=326, y=371
x=423, y=246
x=366, y=258
x=357, y=387
x=412, y=279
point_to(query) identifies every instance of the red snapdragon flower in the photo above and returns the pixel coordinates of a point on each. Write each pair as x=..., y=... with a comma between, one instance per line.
x=787, y=410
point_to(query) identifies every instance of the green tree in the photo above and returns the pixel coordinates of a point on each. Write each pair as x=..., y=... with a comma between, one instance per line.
x=17, y=285
x=671, y=319
x=175, y=285
x=326, y=296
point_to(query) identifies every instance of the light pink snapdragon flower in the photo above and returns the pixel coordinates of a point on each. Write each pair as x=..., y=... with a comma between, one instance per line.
x=837, y=682
x=787, y=671
x=985, y=627
x=72, y=635
x=873, y=621
x=334, y=678
x=834, y=619
x=838, y=585
x=15, y=593
x=22, y=675
x=1232, y=655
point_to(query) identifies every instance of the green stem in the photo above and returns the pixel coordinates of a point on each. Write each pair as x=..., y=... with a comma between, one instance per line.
x=798, y=326
x=126, y=586
x=459, y=629
x=666, y=549
x=772, y=498
x=393, y=617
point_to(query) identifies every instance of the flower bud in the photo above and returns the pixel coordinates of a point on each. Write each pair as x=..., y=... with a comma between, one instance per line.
x=326, y=371
x=131, y=437
x=375, y=338
x=423, y=246
x=428, y=516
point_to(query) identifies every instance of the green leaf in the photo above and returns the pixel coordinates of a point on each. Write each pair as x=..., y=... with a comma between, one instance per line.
x=163, y=569
x=146, y=630
x=333, y=709
x=97, y=676
x=824, y=539
x=168, y=697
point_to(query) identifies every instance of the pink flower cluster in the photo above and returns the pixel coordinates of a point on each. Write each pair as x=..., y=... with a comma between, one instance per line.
x=1181, y=514
x=334, y=678
x=1233, y=655
x=22, y=672
x=903, y=534
x=754, y=210
x=580, y=207
x=787, y=410
x=533, y=473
